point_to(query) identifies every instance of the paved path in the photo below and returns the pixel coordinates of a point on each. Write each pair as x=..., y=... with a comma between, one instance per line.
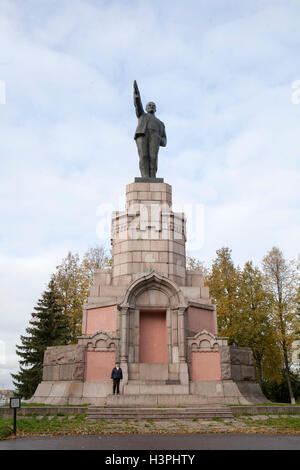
x=158, y=442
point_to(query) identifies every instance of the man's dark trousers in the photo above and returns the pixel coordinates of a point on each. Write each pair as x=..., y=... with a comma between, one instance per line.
x=116, y=385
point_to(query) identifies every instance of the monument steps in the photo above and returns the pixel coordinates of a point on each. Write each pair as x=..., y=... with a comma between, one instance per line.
x=153, y=382
x=97, y=413
x=155, y=387
x=163, y=400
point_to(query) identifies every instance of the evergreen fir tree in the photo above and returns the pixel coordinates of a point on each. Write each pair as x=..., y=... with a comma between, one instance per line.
x=49, y=326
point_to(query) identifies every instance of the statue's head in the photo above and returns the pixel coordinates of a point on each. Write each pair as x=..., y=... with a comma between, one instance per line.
x=151, y=107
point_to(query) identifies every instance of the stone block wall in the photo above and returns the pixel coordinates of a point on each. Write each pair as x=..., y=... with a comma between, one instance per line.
x=194, y=279
x=100, y=319
x=148, y=235
x=99, y=365
x=237, y=364
x=199, y=319
x=64, y=363
x=210, y=358
x=148, y=193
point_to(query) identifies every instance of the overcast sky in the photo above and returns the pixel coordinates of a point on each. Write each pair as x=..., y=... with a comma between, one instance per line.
x=221, y=73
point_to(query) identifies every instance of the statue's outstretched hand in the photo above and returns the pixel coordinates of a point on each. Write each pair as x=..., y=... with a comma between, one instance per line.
x=137, y=100
x=135, y=87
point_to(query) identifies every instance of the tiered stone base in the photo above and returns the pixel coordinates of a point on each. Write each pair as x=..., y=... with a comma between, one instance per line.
x=99, y=393
x=154, y=317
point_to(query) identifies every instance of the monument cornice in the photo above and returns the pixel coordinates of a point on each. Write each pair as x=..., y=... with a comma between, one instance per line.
x=105, y=303
x=193, y=303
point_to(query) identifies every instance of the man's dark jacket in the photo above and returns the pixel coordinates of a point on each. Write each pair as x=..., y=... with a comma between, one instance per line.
x=116, y=373
x=143, y=119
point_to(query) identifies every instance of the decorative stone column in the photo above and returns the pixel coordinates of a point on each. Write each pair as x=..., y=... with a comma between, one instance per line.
x=124, y=343
x=124, y=335
x=181, y=335
x=183, y=366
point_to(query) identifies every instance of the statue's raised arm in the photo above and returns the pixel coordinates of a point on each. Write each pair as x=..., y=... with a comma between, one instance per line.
x=137, y=100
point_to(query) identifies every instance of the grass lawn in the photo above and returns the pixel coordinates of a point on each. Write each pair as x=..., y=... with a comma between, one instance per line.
x=61, y=424
x=44, y=404
x=278, y=423
x=45, y=424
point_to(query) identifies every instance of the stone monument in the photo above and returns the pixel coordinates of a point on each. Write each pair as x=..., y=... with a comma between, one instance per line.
x=149, y=312
x=150, y=134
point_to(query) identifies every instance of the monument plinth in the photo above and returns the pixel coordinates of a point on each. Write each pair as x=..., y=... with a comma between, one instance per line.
x=148, y=311
x=148, y=180
x=154, y=316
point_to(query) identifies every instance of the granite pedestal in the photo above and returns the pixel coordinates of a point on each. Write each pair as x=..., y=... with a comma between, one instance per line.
x=153, y=316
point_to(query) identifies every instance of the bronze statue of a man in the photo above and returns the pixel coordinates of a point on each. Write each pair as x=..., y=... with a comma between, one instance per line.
x=149, y=135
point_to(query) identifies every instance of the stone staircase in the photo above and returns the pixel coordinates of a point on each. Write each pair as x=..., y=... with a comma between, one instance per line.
x=169, y=399
x=95, y=413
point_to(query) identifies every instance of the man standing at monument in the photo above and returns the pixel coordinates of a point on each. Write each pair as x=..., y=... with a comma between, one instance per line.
x=150, y=134
x=116, y=375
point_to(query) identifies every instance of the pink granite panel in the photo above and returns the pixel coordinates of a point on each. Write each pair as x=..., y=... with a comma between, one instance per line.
x=102, y=318
x=153, y=337
x=99, y=365
x=206, y=365
x=200, y=319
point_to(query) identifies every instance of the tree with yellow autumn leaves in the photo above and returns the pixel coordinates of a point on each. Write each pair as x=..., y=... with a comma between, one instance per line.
x=258, y=309
x=73, y=279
